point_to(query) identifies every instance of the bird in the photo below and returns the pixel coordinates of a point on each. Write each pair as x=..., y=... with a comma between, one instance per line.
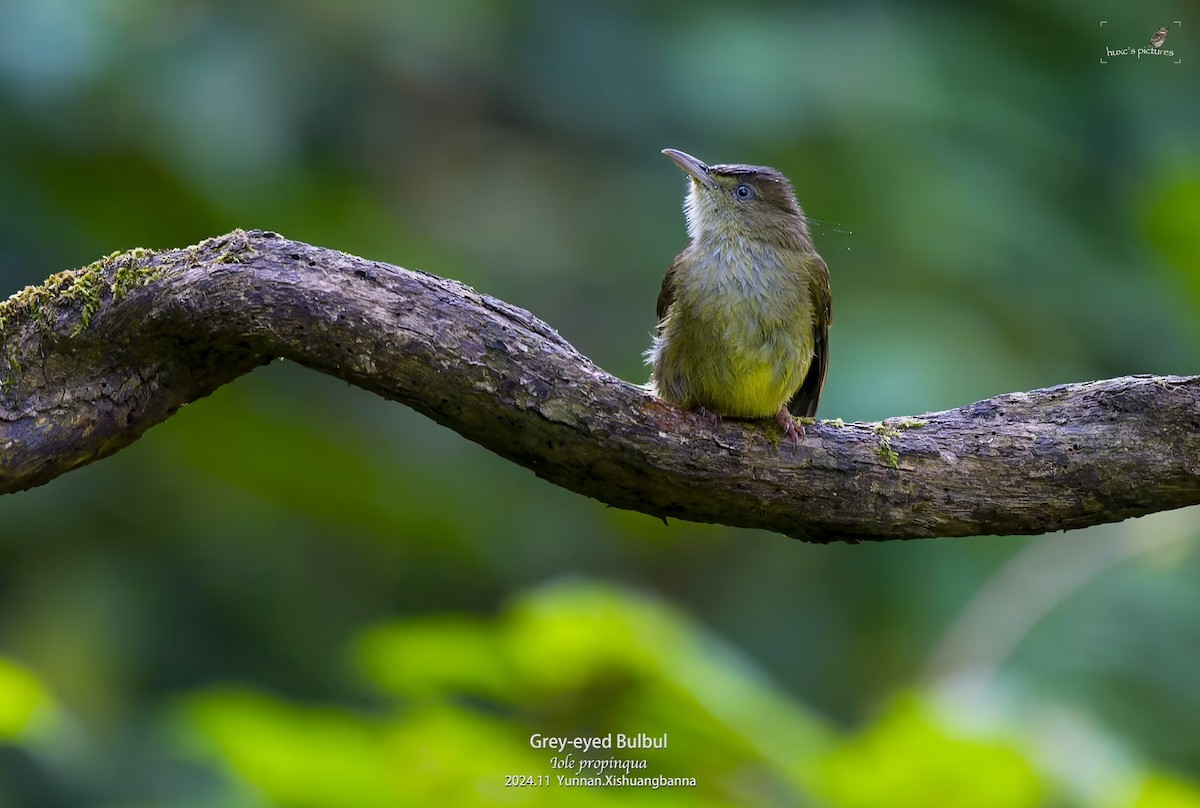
x=745, y=309
x=1158, y=37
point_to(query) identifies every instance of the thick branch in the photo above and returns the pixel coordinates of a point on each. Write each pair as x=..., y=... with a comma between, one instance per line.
x=96, y=356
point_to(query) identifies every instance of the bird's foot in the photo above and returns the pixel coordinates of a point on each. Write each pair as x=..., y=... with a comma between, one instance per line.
x=792, y=430
x=714, y=420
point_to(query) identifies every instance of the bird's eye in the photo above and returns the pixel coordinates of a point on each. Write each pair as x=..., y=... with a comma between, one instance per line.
x=743, y=191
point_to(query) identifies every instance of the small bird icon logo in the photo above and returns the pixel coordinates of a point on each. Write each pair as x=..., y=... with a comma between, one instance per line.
x=1159, y=37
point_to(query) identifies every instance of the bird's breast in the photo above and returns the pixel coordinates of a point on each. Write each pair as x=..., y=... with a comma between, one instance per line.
x=739, y=337
x=746, y=289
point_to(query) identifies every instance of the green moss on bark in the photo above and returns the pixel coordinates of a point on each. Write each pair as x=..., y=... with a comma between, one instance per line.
x=78, y=293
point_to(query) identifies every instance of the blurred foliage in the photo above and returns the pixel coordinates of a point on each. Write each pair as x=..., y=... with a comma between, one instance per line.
x=577, y=660
x=22, y=696
x=569, y=660
x=293, y=593
x=915, y=761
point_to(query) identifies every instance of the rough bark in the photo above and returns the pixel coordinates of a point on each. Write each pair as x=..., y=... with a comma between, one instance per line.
x=94, y=357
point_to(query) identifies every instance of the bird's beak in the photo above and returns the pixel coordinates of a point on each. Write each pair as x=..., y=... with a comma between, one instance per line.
x=692, y=167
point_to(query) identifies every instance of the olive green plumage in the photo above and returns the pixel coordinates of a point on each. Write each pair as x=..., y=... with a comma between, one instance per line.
x=745, y=309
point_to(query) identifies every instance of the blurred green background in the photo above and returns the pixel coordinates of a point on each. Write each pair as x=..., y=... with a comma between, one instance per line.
x=296, y=594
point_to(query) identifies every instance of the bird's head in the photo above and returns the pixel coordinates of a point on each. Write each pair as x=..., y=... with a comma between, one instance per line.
x=740, y=202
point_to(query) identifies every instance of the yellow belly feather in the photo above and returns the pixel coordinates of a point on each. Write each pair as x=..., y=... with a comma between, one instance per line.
x=735, y=348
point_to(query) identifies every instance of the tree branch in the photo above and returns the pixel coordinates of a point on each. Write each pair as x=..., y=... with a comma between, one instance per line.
x=94, y=357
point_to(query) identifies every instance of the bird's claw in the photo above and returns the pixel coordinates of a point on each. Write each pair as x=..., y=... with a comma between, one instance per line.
x=713, y=419
x=793, y=431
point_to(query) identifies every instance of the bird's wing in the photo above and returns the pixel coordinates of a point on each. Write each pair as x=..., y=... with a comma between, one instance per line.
x=804, y=401
x=667, y=294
